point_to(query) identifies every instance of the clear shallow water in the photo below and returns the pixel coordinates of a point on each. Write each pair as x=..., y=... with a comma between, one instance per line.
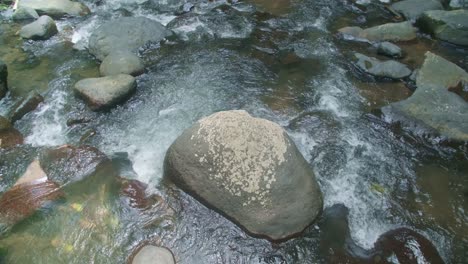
x=286, y=68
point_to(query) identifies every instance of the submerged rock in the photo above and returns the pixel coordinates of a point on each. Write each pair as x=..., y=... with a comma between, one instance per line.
x=41, y=29
x=403, y=31
x=55, y=8
x=25, y=13
x=389, y=49
x=25, y=105
x=249, y=169
x=408, y=246
x=152, y=254
x=450, y=26
x=404, y=244
x=385, y=69
x=3, y=79
x=122, y=63
x=30, y=192
x=125, y=34
x=69, y=164
x=412, y=9
x=433, y=105
x=105, y=92
x=10, y=137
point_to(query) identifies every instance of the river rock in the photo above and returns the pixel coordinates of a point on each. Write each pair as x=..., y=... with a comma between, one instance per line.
x=412, y=9
x=402, y=31
x=25, y=105
x=105, y=92
x=150, y=254
x=69, y=164
x=25, y=13
x=248, y=169
x=433, y=105
x=30, y=192
x=121, y=63
x=450, y=26
x=389, y=49
x=125, y=34
x=55, y=8
x=10, y=137
x=407, y=246
x=43, y=28
x=3, y=79
x=385, y=69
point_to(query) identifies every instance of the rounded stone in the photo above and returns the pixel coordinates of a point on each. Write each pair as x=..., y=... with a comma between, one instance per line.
x=43, y=28
x=150, y=254
x=248, y=169
x=121, y=63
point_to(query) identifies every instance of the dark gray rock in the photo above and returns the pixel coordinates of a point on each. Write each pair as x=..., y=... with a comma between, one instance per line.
x=248, y=169
x=412, y=9
x=403, y=31
x=125, y=34
x=153, y=254
x=25, y=105
x=55, y=8
x=433, y=105
x=385, y=69
x=450, y=26
x=105, y=92
x=25, y=13
x=122, y=63
x=389, y=49
x=3, y=79
x=41, y=29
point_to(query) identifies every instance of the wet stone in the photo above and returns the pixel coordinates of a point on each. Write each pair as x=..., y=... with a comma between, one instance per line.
x=150, y=254
x=389, y=49
x=25, y=13
x=41, y=29
x=10, y=137
x=69, y=164
x=24, y=106
x=384, y=69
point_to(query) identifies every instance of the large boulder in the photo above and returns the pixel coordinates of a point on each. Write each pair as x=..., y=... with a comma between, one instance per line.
x=412, y=9
x=450, y=26
x=125, y=34
x=121, y=63
x=248, y=169
x=105, y=92
x=41, y=29
x=402, y=31
x=152, y=254
x=433, y=104
x=3, y=79
x=55, y=8
x=384, y=69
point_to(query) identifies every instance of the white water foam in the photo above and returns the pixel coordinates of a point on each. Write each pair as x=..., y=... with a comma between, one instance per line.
x=48, y=128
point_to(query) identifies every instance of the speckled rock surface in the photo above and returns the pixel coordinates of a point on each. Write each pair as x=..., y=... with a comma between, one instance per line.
x=250, y=170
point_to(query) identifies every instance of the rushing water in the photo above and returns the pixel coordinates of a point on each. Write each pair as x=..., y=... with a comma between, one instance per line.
x=285, y=66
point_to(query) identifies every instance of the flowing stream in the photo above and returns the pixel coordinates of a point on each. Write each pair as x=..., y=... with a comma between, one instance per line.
x=286, y=66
